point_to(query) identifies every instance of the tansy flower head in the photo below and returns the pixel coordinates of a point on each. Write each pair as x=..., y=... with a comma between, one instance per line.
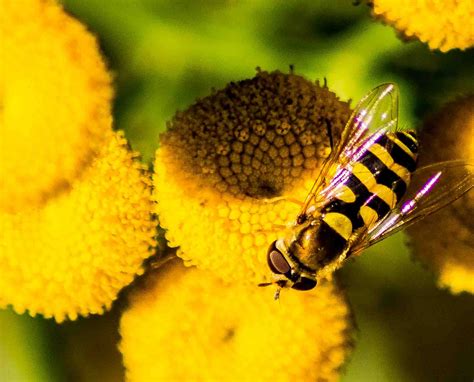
x=442, y=24
x=55, y=97
x=187, y=324
x=72, y=256
x=448, y=248
x=225, y=155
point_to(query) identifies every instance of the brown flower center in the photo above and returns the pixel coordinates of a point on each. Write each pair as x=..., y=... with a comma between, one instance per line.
x=257, y=137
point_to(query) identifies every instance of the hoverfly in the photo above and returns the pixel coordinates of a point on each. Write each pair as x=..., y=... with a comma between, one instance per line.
x=361, y=195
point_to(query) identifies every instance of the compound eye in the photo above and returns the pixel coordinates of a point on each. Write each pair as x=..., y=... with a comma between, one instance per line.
x=276, y=260
x=304, y=284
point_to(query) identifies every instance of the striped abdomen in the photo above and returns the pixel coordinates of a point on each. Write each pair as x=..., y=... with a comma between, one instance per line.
x=376, y=183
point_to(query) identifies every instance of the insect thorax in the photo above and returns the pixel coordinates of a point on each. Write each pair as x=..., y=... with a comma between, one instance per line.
x=315, y=246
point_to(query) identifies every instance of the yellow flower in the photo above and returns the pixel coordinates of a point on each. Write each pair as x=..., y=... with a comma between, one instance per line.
x=448, y=248
x=255, y=139
x=55, y=97
x=186, y=324
x=73, y=255
x=442, y=24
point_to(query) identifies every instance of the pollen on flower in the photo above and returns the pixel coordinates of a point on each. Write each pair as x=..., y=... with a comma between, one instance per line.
x=448, y=135
x=54, y=101
x=221, y=332
x=223, y=159
x=442, y=24
x=72, y=256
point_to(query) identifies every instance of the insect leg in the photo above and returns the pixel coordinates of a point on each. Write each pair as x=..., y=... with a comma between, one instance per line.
x=275, y=227
x=277, y=291
x=283, y=198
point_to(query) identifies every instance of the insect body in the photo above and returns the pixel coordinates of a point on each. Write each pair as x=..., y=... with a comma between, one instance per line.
x=361, y=195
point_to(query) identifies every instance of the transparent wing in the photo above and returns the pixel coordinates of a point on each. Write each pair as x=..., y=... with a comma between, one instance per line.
x=375, y=115
x=431, y=188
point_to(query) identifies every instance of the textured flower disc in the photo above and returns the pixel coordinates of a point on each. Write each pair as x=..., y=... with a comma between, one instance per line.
x=224, y=156
x=442, y=24
x=54, y=101
x=187, y=325
x=72, y=256
x=448, y=247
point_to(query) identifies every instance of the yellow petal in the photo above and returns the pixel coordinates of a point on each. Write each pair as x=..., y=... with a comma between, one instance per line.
x=442, y=24
x=187, y=325
x=72, y=256
x=55, y=97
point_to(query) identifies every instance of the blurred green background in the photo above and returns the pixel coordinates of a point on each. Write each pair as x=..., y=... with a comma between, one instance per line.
x=166, y=54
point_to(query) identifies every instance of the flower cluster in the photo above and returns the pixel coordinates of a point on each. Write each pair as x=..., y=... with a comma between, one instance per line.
x=223, y=160
x=75, y=206
x=73, y=255
x=217, y=166
x=56, y=102
x=187, y=324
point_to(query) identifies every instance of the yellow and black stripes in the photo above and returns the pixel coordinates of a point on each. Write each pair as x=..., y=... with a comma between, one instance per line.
x=351, y=211
x=373, y=160
x=378, y=181
x=399, y=147
x=408, y=138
